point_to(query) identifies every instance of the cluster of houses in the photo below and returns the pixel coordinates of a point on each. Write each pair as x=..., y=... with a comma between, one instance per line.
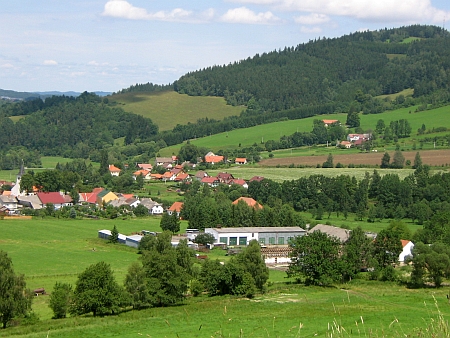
x=353, y=140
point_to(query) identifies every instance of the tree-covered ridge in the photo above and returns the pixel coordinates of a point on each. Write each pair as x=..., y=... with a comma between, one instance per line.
x=148, y=87
x=330, y=70
x=75, y=127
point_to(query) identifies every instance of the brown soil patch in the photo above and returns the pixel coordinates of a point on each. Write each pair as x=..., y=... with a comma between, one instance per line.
x=430, y=157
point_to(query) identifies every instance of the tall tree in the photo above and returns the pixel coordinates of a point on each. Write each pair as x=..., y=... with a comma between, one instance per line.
x=357, y=253
x=15, y=299
x=97, y=291
x=60, y=299
x=316, y=258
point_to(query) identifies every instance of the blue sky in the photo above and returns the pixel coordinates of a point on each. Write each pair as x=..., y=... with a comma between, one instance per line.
x=111, y=44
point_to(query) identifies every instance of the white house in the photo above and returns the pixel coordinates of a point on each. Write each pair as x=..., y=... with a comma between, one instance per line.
x=407, y=250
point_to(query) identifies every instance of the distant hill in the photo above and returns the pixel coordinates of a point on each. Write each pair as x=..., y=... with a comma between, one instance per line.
x=12, y=95
x=331, y=70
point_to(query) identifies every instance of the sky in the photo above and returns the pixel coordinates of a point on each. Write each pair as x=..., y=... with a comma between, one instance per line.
x=108, y=45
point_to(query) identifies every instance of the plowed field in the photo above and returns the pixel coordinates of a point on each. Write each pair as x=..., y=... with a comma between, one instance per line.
x=430, y=157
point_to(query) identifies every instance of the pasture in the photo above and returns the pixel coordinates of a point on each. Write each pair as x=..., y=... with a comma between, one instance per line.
x=167, y=109
x=50, y=250
x=433, y=118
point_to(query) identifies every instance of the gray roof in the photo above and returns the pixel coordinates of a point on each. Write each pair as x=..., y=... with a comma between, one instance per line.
x=7, y=199
x=258, y=229
x=148, y=203
x=339, y=233
x=31, y=201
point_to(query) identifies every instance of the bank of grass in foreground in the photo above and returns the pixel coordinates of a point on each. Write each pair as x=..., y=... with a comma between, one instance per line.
x=357, y=309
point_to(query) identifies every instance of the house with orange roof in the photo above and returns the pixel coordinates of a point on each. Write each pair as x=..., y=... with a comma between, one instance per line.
x=145, y=174
x=213, y=159
x=407, y=250
x=249, y=201
x=328, y=123
x=155, y=176
x=182, y=177
x=240, y=160
x=113, y=170
x=168, y=176
x=176, y=207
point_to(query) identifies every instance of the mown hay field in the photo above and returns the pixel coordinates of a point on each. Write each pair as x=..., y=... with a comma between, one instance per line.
x=167, y=109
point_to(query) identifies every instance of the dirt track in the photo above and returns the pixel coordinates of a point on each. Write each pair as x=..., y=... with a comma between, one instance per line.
x=430, y=157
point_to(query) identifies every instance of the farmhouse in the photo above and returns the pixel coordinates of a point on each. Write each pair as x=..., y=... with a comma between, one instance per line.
x=240, y=160
x=328, y=123
x=54, y=198
x=153, y=207
x=264, y=235
x=176, y=207
x=9, y=202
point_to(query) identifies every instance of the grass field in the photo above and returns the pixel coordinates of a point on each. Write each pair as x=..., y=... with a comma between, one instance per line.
x=246, y=137
x=51, y=250
x=287, y=174
x=167, y=109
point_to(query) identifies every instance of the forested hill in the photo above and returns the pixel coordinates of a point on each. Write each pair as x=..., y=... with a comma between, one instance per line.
x=331, y=70
x=73, y=127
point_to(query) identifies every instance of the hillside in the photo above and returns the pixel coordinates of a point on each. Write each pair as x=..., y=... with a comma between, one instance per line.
x=433, y=118
x=331, y=70
x=169, y=108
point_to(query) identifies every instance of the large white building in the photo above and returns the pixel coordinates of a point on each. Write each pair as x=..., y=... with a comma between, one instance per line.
x=264, y=235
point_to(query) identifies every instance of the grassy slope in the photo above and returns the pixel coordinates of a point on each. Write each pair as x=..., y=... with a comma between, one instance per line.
x=273, y=131
x=167, y=109
x=53, y=250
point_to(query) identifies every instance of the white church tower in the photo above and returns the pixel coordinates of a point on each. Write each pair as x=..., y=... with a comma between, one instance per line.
x=15, y=191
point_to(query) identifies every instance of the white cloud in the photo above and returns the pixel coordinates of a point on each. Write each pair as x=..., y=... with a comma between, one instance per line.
x=312, y=19
x=50, y=63
x=6, y=65
x=125, y=10
x=247, y=16
x=380, y=10
x=309, y=30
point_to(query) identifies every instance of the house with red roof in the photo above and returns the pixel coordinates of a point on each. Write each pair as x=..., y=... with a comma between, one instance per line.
x=182, y=177
x=211, y=181
x=55, y=198
x=90, y=197
x=225, y=177
x=145, y=166
x=240, y=181
x=249, y=201
x=176, y=207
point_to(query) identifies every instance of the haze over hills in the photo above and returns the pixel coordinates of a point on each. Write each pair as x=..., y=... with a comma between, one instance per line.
x=14, y=95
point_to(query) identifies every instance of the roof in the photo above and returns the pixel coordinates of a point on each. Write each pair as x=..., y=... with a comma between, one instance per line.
x=209, y=180
x=330, y=121
x=241, y=159
x=176, y=206
x=145, y=166
x=113, y=168
x=181, y=177
x=89, y=197
x=213, y=159
x=103, y=193
x=239, y=181
x=404, y=242
x=8, y=199
x=32, y=200
x=201, y=174
x=164, y=160
x=51, y=197
x=256, y=178
x=339, y=233
x=142, y=172
x=258, y=229
x=249, y=201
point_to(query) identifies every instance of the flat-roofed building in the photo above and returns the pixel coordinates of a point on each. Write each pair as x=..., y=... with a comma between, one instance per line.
x=264, y=235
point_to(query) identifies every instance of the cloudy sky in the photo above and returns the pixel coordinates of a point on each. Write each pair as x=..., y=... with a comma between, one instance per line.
x=110, y=44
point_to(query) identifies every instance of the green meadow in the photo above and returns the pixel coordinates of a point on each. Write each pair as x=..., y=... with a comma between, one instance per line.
x=288, y=174
x=432, y=118
x=50, y=250
x=167, y=109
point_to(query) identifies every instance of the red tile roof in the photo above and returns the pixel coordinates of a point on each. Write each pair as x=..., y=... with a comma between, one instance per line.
x=250, y=202
x=51, y=197
x=113, y=168
x=176, y=206
x=213, y=159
